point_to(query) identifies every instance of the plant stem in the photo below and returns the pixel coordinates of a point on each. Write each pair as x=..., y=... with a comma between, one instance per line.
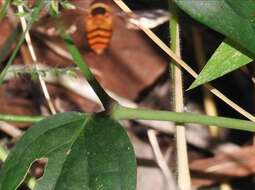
x=12, y=38
x=4, y=8
x=183, y=178
x=124, y=113
x=105, y=99
x=20, y=119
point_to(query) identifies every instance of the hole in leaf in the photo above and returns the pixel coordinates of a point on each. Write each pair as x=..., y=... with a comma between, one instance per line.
x=35, y=172
x=37, y=168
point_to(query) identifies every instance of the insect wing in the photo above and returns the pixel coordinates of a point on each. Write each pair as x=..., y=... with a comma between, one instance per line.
x=146, y=19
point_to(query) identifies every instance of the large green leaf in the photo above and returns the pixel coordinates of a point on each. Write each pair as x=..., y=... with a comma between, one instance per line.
x=233, y=18
x=84, y=153
x=224, y=60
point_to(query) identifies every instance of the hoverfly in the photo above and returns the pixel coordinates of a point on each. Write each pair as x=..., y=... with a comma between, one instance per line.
x=99, y=21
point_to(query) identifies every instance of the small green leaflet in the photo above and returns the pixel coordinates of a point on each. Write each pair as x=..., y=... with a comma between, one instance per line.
x=224, y=60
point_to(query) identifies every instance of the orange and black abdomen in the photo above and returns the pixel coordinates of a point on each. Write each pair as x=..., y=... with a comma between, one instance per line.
x=99, y=25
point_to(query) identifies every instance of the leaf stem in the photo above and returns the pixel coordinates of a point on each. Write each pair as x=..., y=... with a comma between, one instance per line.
x=105, y=99
x=20, y=119
x=4, y=8
x=123, y=113
x=8, y=44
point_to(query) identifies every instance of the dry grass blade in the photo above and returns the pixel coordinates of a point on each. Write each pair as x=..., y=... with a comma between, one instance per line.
x=32, y=53
x=10, y=129
x=170, y=182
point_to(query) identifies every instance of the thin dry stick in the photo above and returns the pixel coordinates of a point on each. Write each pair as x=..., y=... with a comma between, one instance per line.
x=58, y=50
x=10, y=129
x=168, y=51
x=209, y=104
x=34, y=58
x=169, y=179
x=184, y=182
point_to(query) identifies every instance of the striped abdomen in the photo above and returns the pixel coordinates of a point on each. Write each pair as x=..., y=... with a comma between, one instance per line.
x=98, y=26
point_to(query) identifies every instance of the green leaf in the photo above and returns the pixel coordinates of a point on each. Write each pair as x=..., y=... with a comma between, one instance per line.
x=83, y=153
x=233, y=18
x=224, y=60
